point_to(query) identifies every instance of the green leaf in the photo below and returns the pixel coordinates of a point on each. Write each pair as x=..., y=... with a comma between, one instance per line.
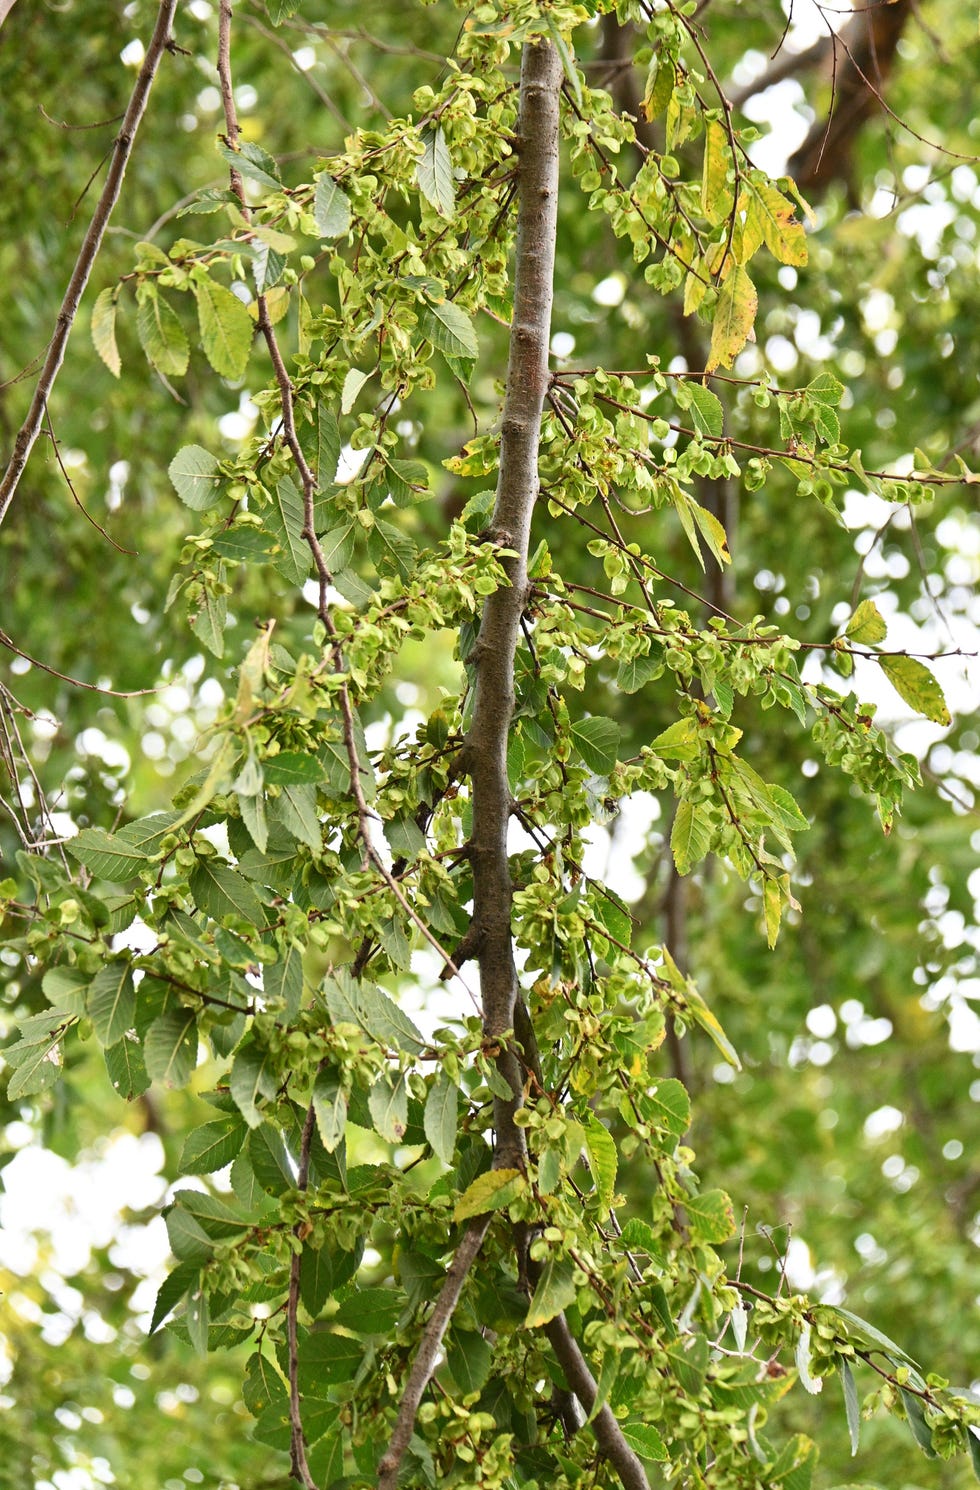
x=213, y=1145
x=915, y=1414
x=868, y=1334
x=327, y=444
x=668, y=1106
x=811, y=1384
x=826, y=390
x=252, y=1078
x=195, y=477
x=65, y=988
x=37, y=1067
x=597, y=741
x=221, y=891
x=104, y=330
x=162, y=336
x=226, y=328
x=913, y=681
x=353, y=383
x=555, y=1291
x=851, y=1407
x=330, y=1107
x=490, y=1191
x=127, y=1068
x=108, y=857
x=251, y=161
x=326, y=1359
x=434, y=173
x=295, y=808
x=603, y=1160
x=707, y=411
x=388, y=1105
x=734, y=318
x=331, y=213
x=440, y=1117
x=189, y=1242
x=285, y=519
x=351, y=1001
x=269, y=1160
x=449, y=329
x=867, y=624
x=690, y=836
x=644, y=1440
x=372, y=1311
x=170, y=1048
x=469, y=1358
x=112, y=1002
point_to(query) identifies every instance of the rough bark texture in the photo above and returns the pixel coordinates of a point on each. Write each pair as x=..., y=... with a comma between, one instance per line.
x=517, y=488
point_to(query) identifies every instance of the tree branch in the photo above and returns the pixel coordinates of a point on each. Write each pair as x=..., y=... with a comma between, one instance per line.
x=428, y=1351
x=87, y=254
x=608, y=1433
x=517, y=489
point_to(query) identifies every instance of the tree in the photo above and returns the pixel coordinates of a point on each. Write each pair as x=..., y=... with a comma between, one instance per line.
x=477, y=610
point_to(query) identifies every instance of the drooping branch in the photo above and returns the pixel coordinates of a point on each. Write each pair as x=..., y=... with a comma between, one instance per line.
x=87, y=254
x=517, y=488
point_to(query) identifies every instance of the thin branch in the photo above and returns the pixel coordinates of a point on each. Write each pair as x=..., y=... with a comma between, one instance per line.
x=428, y=1352
x=91, y=243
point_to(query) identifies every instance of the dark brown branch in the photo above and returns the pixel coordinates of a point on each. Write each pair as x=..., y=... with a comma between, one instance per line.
x=428, y=1352
x=517, y=489
x=91, y=243
x=608, y=1433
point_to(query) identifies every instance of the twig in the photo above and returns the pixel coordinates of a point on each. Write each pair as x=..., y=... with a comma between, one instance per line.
x=428, y=1351
x=76, y=498
x=91, y=243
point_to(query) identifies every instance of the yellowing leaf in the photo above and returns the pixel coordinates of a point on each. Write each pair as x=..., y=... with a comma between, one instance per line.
x=104, y=331
x=716, y=199
x=917, y=686
x=734, y=318
x=867, y=624
x=782, y=234
x=489, y=1192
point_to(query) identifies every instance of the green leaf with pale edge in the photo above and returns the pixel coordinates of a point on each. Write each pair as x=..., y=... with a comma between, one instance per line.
x=449, y=329
x=194, y=474
x=330, y=1108
x=434, y=172
x=644, y=1440
x=221, y=891
x=104, y=330
x=668, y=1106
x=867, y=625
x=331, y=211
x=440, y=1117
x=112, y=1002
x=851, y=1407
x=170, y=1048
x=226, y=328
x=555, y=1291
x=597, y=741
x=690, y=836
x=811, y=1384
x=603, y=1160
x=162, y=337
x=734, y=318
x=914, y=683
x=490, y=1192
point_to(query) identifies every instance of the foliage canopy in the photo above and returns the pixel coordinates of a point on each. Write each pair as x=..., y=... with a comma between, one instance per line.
x=478, y=619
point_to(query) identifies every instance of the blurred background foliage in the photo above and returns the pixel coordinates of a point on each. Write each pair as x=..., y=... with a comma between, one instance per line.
x=850, y=1140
